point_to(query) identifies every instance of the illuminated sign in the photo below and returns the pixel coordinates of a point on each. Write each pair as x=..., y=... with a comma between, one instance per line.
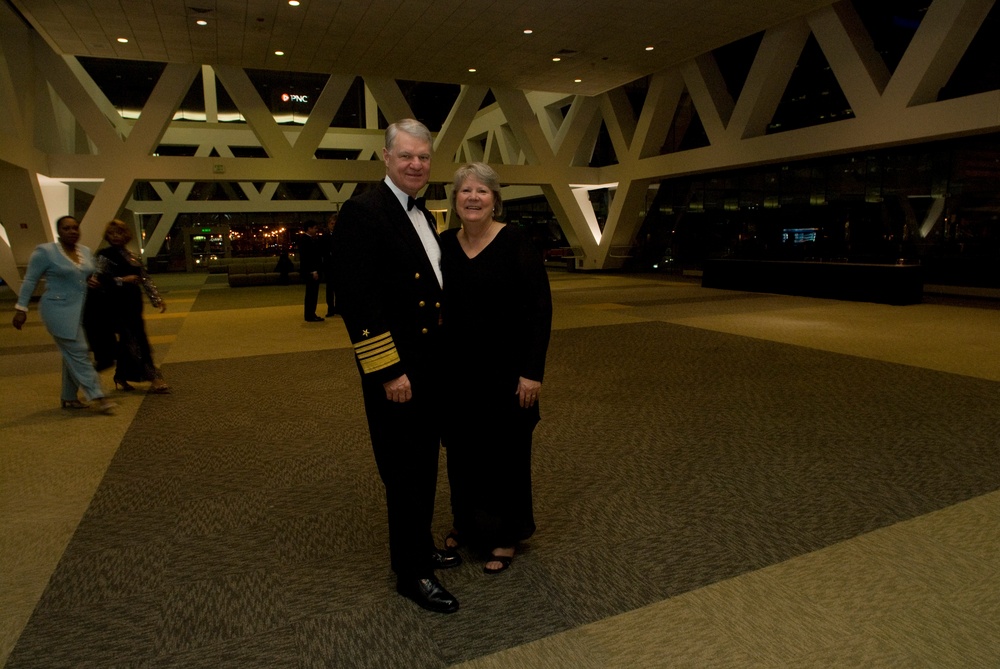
x=291, y=97
x=799, y=235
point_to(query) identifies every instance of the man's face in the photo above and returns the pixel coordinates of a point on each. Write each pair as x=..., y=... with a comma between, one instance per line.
x=408, y=163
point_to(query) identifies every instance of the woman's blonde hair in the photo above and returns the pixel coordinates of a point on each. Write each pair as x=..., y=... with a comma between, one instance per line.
x=119, y=225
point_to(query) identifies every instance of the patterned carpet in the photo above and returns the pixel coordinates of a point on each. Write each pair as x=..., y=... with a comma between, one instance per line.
x=241, y=522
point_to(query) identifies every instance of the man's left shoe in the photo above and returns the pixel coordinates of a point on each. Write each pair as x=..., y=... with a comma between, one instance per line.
x=445, y=559
x=314, y=319
x=428, y=593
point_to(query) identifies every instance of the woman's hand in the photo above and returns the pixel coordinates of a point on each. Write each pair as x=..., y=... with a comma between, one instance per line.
x=528, y=392
x=19, y=318
x=93, y=281
x=163, y=306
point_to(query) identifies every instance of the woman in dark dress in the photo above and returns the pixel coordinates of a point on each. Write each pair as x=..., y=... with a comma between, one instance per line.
x=123, y=282
x=498, y=315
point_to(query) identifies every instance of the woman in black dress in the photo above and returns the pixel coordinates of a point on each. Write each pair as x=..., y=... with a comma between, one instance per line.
x=498, y=315
x=123, y=282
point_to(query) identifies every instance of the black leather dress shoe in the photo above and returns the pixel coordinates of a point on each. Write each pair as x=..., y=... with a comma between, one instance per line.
x=428, y=593
x=445, y=559
x=314, y=319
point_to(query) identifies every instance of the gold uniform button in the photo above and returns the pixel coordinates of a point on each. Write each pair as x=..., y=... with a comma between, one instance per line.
x=422, y=303
x=437, y=305
x=417, y=275
x=423, y=331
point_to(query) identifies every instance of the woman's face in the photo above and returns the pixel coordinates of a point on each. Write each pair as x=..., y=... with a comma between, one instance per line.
x=116, y=236
x=474, y=201
x=69, y=231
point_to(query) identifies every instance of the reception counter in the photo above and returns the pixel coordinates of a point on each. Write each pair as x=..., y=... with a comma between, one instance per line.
x=861, y=282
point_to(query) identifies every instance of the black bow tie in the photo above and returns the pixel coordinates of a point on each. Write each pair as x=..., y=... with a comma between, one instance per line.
x=410, y=201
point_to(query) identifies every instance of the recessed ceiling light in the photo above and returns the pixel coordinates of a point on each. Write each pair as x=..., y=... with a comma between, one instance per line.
x=528, y=31
x=472, y=69
x=279, y=53
x=576, y=81
x=649, y=48
x=202, y=22
x=294, y=3
x=123, y=40
x=556, y=59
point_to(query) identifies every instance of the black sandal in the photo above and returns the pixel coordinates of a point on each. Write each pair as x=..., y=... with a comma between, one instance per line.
x=504, y=561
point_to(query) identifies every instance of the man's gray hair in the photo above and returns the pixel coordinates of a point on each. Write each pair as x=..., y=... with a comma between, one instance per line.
x=411, y=127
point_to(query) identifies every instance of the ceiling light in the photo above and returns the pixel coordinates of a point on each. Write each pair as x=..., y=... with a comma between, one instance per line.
x=123, y=40
x=202, y=22
x=556, y=59
x=279, y=53
x=576, y=81
x=472, y=69
x=528, y=31
x=649, y=48
x=294, y=3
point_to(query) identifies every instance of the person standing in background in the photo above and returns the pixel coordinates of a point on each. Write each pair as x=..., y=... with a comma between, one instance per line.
x=310, y=265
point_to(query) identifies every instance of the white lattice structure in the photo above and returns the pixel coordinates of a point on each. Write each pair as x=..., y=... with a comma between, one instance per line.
x=61, y=129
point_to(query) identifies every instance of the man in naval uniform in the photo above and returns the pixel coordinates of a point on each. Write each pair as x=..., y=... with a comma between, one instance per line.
x=387, y=276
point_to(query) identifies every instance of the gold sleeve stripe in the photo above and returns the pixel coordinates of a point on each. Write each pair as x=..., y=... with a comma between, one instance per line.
x=369, y=351
x=376, y=353
x=375, y=363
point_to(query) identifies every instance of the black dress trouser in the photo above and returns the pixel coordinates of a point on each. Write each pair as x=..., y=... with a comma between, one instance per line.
x=406, y=441
x=312, y=295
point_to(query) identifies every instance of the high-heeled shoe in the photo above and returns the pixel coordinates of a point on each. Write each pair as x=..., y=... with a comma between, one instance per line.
x=162, y=389
x=125, y=385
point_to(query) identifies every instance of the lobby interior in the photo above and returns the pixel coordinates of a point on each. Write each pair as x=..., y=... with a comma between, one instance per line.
x=722, y=479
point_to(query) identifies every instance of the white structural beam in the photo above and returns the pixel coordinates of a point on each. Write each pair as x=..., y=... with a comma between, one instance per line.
x=936, y=48
x=859, y=68
x=61, y=126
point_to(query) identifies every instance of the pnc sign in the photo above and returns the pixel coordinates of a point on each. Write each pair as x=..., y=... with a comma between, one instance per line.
x=291, y=97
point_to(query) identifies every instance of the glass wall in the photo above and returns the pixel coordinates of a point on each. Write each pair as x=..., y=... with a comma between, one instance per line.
x=936, y=204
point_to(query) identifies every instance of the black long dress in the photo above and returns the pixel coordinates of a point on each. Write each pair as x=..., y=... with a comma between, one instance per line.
x=497, y=315
x=123, y=307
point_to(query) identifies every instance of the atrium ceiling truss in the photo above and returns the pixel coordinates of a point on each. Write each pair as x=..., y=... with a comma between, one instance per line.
x=61, y=128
